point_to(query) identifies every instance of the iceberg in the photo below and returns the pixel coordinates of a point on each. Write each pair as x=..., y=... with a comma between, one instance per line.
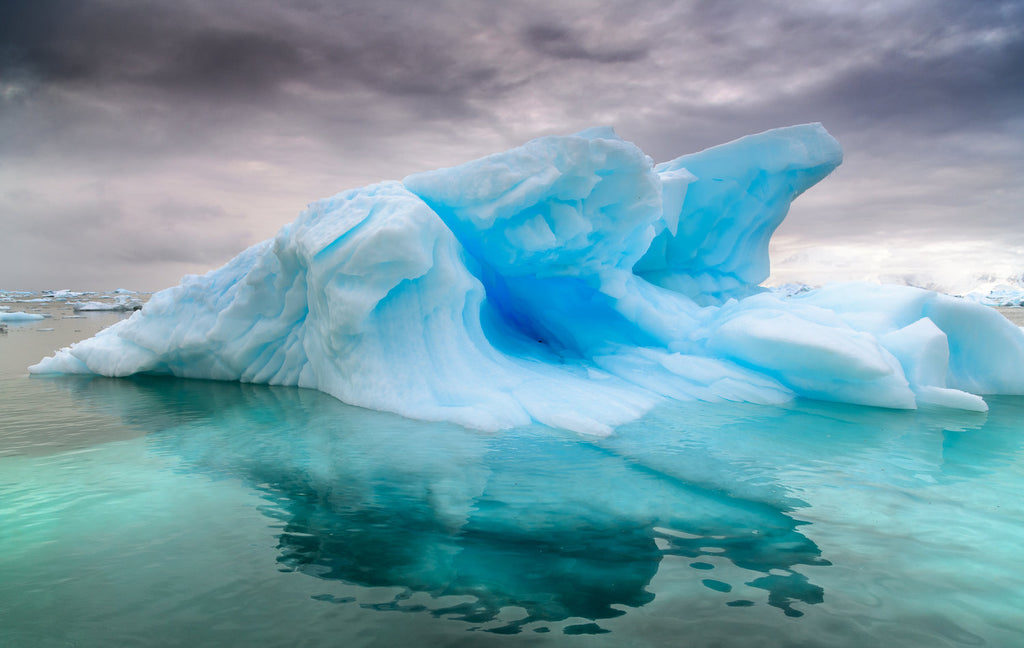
x=569, y=282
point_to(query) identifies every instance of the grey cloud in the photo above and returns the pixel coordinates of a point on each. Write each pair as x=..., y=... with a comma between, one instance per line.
x=953, y=90
x=888, y=76
x=230, y=62
x=63, y=41
x=560, y=42
x=102, y=87
x=924, y=66
x=224, y=53
x=100, y=230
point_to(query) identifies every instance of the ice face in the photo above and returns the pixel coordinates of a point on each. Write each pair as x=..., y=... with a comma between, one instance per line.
x=568, y=282
x=740, y=194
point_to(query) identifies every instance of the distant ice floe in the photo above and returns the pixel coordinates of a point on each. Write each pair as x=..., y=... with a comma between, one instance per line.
x=570, y=282
x=116, y=300
x=16, y=295
x=791, y=289
x=122, y=302
x=1004, y=296
x=19, y=316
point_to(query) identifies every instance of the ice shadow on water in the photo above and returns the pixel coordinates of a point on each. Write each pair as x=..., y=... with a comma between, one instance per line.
x=528, y=527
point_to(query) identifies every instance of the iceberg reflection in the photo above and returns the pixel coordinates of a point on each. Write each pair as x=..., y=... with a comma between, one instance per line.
x=559, y=526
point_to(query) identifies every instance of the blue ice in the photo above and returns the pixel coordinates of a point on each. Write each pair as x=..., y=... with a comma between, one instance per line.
x=569, y=282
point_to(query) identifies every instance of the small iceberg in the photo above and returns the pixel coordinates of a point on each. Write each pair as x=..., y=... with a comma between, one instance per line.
x=19, y=316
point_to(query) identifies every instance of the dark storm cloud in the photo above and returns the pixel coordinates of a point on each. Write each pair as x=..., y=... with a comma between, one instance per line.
x=956, y=66
x=222, y=51
x=162, y=93
x=919, y=66
x=929, y=56
x=63, y=41
x=560, y=42
x=954, y=89
x=100, y=43
x=229, y=62
x=102, y=79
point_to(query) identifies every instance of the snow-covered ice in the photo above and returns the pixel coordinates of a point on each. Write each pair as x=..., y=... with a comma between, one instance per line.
x=570, y=282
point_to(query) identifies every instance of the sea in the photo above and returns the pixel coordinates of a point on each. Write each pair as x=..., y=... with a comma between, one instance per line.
x=154, y=511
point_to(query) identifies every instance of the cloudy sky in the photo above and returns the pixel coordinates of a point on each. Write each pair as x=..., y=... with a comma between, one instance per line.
x=140, y=141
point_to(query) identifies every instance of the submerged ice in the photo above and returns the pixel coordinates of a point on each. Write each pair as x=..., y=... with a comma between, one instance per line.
x=569, y=282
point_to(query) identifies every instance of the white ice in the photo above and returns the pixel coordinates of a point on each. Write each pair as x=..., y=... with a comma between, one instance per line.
x=19, y=316
x=122, y=302
x=1002, y=295
x=570, y=282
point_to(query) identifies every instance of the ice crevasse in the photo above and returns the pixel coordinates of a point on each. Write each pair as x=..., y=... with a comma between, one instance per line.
x=570, y=282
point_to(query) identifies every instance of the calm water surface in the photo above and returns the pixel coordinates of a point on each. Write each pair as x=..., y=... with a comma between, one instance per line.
x=163, y=512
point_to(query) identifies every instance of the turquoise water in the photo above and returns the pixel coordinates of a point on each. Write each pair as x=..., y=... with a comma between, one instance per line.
x=163, y=512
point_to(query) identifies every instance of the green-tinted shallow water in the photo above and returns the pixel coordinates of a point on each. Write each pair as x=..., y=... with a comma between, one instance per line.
x=162, y=512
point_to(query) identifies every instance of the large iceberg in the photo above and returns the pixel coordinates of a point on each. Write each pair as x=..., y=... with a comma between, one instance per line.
x=569, y=282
